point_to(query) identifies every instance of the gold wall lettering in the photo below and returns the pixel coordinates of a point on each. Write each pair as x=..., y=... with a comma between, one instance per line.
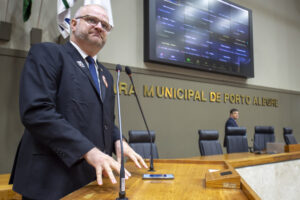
x=199, y=95
x=124, y=89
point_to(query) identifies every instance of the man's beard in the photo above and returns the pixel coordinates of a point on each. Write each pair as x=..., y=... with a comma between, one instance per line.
x=85, y=37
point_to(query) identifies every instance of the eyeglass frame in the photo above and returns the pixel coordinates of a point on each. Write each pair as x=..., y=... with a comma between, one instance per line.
x=108, y=29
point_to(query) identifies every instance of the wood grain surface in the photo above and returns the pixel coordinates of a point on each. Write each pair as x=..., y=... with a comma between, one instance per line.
x=189, y=183
x=292, y=147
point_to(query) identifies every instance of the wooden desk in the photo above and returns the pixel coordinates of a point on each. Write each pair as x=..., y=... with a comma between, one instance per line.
x=189, y=182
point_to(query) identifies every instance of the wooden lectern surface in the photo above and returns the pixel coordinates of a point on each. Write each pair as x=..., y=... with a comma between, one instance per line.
x=189, y=183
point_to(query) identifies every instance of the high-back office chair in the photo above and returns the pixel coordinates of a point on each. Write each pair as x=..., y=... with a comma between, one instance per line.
x=289, y=136
x=236, y=140
x=140, y=142
x=262, y=135
x=209, y=143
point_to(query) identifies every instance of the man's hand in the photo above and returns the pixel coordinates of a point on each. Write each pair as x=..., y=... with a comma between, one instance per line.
x=103, y=163
x=130, y=153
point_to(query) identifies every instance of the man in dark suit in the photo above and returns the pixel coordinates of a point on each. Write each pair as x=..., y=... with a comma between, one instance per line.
x=67, y=107
x=231, y=122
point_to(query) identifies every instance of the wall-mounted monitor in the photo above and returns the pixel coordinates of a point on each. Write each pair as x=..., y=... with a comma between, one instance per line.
x=209, y=35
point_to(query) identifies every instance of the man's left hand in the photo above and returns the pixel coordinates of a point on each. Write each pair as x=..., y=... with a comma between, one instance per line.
x=130, y=153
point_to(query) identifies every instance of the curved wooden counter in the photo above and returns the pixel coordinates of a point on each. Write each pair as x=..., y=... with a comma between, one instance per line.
x=189, y=182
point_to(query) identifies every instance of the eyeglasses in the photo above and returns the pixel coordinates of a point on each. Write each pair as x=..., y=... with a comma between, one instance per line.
x=94, y=21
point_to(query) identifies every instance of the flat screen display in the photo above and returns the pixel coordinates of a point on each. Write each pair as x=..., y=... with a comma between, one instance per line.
x=210, y=35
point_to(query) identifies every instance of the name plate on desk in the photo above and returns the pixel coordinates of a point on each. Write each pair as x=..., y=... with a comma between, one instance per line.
x=227, y=178
x=292, y=147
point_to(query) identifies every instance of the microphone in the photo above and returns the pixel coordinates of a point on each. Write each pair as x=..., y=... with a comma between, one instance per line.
x=128, y=72
x=122, y=193
x=118, y=69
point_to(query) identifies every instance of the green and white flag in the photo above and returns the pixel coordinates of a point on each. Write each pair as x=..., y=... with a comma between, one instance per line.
x=26, y=9
x=64, y=16
x=104, y=3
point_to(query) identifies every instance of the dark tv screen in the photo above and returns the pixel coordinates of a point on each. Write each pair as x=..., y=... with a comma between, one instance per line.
x=210, y=35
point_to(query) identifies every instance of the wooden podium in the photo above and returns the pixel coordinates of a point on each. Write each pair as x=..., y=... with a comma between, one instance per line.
x=292, y=147
x=192, y=181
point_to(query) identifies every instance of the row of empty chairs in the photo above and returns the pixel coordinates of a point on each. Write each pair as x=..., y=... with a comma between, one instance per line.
x=236, y=139
x=209, y=143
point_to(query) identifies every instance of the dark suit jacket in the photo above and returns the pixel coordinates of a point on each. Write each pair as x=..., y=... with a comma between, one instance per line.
x=64, y=118
x=229, y=123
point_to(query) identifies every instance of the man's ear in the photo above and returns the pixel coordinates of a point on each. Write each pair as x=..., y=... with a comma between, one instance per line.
x=73, y=24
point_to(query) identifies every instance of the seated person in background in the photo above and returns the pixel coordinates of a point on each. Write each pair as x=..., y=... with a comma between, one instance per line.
x=231, y=122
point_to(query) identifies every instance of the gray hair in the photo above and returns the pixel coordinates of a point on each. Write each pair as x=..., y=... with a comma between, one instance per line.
x=78, y=12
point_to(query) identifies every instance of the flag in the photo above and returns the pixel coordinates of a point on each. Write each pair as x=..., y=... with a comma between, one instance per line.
x=104, y=3
x=26, y=9
x=64, y=16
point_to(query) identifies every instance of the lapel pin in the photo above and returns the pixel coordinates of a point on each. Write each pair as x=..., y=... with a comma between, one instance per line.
x=104, y=81
x=80, y=64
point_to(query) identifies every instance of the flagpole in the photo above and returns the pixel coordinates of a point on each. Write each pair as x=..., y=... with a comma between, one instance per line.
x=40, y=14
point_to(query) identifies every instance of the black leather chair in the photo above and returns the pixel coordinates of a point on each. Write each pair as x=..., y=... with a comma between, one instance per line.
x=262, y=135
x=236, y=140
x=209, y=143
x=289, y=136
x=140, y=142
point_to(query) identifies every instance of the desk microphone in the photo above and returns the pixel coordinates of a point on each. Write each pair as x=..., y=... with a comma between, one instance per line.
x=128, y=72
x=122, y=193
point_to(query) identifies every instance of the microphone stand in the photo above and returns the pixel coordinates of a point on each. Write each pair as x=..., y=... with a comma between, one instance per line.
x=122, y=193
x=151, y=168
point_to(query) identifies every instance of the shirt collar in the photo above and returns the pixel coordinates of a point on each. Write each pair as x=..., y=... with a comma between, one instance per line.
x=81, y=52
